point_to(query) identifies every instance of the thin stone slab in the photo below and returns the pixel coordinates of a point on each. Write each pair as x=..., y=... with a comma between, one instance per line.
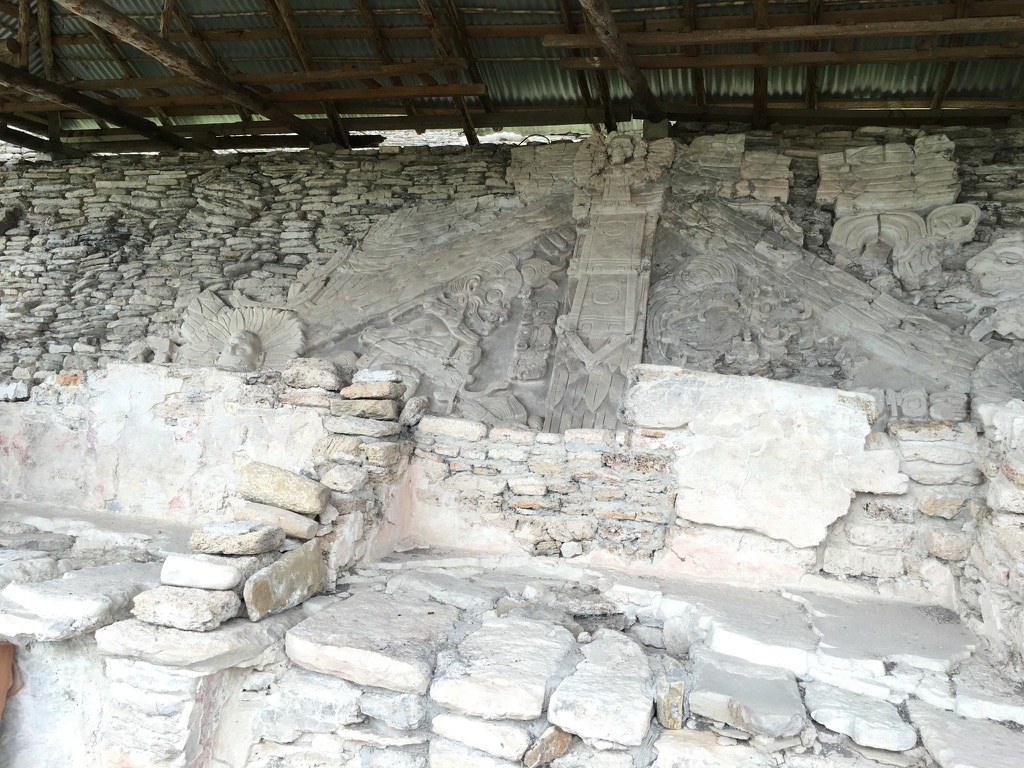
x=292, y=523
x=212, y=571
x=503, y=740
x=240, y=537
x=402, y=711
x=862, y=630
x=384, y=641
x=450, y=590
x=374, y=390
x=581, y=755
x=868, y=721
x=197, y=610
x=957, y=742
x=37, y=540
x=81, y=601
x=610, y=694
x=701, y=749
x=384, y=410
x=310, y=372
x=296, y=576
x=353, y=425
x=752, y=697
x=266, y=484
x=760, y=627
x=982, y=691
x=26, y=565
x=503, y=670
x=233, y=643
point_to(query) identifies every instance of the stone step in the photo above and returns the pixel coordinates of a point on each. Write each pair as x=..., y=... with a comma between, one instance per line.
x=79, y=602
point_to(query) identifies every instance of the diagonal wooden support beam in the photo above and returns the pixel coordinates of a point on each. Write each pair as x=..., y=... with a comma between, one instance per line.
x=128, y=31
x=24, y=32
x=700, y=95
x=29, y=141
x=600, y=16
x=13, y=77
x=446, y=52
x=455, y=20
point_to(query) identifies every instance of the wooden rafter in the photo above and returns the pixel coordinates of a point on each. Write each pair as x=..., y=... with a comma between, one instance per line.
x=128, y=31
x=445, y=51
x=366, y=14
x=946, y=80
x=24, y=32
x=455, y=19
x=607, y=31
x=760, y=121
x=35, y=143
x=813, y=19
x=282, y=15
x=66, y=98
x=700, y=97
x=581, y=77
x=43, y=9
x=802, y=58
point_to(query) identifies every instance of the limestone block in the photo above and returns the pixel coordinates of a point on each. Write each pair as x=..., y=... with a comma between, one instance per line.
x=758, y=451
x=701, y=749
x=383, y=454
x=610, y=694
x=503, y=670
x=384, y=641
x=956, y=742
x=948, y=544
x=393, y=757
x=938, y=451
x=278, y=487
x=368, y=376
x=212, y=571
x=385, y=410
x=670, y=693
x=345, y=479
x=580, y=755
x=292, y=523
x=310, y=372
x=40, y=541
x=752, y=697
x=308, y=398
x=868, y=721
x=197, y=610
x=449, y=754
x=930, y=473
x=941, y=505
x=402, y=711
x=352, y=425
x=413, y=411
x=374, y=390
x=340, y=448
x=504, y=740
x=1004, y=496
x=26, y=565
x=907, y=431
x=446, y=589
x=306, y=702
x=296, y=576
x=460, y=429
x=985, y=692
x=241, y=537
x=551, y=744
x=80, y=601
x=844, y=559
x=233, y=643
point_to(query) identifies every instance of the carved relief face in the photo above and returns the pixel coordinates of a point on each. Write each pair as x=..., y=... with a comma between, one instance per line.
x=999, y=269
x=620, y=149
x=243, y=352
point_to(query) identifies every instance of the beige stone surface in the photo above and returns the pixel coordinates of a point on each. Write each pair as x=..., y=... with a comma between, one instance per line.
x=241, y=537
x=780, y=459
x=212, y=571
x=197, y=610
x=233, y=643
x=374, y=390
x=309, y=372
x=296, y=576
x=278, y=487
x=345, y=479
x=384, y=641
x=386, y=410
x=956, y=742
x=292, y=523
x=551, y=744
x=504, y=740
x=353, y=425
x=460, y=429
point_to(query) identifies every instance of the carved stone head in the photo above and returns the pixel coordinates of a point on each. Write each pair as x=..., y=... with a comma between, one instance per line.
x=243, y=352
x=999, y=269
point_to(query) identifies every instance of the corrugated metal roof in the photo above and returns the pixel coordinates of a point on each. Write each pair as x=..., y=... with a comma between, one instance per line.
x=518, y=71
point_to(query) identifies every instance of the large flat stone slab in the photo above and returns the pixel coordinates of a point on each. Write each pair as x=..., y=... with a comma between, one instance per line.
x=233, y=643
x=982, y=691
x=957, y=742
x=385, y=641
x=610, y=695
x=868, y=721
x=503, y=670
x=780, y=459
x=80, y=601
x=503, y=740
x=752, y=697
x=447, y=589
x=872, y=631
x=266, y=484
x=700, y=749
x=450, y=754
x=306, y=702
x=212, y=571
x=196, y=610
x=26, y=565
x=287, y=582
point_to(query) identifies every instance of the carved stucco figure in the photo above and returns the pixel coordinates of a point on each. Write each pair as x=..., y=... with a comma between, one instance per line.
x=238, y=338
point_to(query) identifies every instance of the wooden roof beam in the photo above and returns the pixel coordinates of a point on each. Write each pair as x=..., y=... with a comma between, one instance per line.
x=690, y=16
x=581, y=77
x=128, y=31
x=455, y=19
x=946, y=80
x=64, y=97
x=804, y=32
x=813, y=19
x=24, y=32
x=372, y=28
x=801, y=58
x=760, y=121
x=446, y=52
x=607, y=32
x=35, y=143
